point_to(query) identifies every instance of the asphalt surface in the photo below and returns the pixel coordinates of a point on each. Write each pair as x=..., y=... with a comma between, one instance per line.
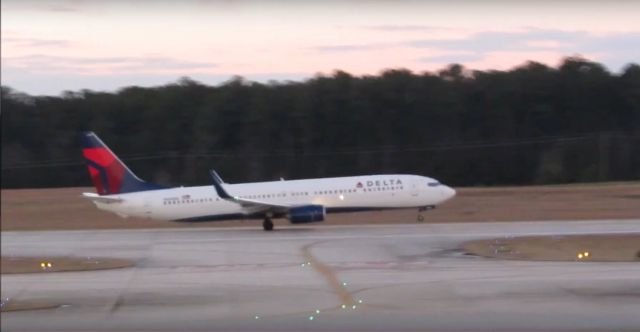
x=391, y=277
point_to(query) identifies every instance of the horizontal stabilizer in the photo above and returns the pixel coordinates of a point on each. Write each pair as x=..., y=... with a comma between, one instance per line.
x=102, y=199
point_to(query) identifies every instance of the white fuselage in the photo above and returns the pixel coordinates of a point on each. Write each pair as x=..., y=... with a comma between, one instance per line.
x=342, y=194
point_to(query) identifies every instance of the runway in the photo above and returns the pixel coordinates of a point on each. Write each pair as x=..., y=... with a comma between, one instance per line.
x=387, y=277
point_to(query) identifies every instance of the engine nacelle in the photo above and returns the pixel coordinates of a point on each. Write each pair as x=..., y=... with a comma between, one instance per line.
x=307, y=213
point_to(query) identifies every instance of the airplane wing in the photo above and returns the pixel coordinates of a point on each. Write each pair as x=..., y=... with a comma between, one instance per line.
x=249, y=204
x=102, y=199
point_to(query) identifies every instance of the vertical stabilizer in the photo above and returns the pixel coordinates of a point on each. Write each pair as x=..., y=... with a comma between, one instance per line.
x=109, y=175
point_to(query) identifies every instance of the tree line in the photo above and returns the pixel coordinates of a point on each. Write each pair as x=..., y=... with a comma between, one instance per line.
x=533, y=124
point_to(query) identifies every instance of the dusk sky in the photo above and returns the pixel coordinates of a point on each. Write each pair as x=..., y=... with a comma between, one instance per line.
x=52, y=46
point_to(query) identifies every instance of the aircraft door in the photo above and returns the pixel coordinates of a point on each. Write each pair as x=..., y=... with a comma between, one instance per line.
x=414, y=187
x=146, y=208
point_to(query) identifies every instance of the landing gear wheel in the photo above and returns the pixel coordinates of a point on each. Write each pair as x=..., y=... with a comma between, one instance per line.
x=267, y=224
x=420, y=218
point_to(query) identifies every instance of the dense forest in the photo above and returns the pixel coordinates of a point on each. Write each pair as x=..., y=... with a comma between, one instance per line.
x=533, y=124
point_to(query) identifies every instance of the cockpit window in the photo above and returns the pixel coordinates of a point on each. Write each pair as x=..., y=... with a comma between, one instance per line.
x=434, y=184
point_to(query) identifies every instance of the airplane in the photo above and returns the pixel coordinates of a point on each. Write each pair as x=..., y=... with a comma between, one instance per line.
x=120, y=191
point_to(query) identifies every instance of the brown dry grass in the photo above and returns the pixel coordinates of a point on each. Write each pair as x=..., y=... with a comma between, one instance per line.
x=18, y=305
x=12, y=265
x=33, y=209
x=599, y=248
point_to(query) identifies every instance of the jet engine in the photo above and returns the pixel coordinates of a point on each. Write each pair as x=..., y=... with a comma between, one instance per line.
x=306, y=214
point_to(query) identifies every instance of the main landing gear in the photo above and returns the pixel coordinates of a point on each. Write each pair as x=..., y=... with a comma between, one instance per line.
x=267, y=224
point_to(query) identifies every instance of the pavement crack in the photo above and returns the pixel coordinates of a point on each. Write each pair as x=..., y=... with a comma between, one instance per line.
x=116, y=305
x=346, y=298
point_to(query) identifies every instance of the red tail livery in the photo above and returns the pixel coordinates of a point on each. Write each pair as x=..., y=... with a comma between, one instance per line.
x=109, y=175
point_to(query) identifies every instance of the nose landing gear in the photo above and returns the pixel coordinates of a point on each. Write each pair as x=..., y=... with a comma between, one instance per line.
x=420, y=217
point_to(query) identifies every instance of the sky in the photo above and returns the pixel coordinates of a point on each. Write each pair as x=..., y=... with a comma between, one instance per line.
x=52, y=46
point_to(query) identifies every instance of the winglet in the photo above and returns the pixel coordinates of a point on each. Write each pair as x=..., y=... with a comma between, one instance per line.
x=217, y=184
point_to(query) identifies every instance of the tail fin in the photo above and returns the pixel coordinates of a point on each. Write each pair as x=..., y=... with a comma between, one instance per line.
x=109, y=174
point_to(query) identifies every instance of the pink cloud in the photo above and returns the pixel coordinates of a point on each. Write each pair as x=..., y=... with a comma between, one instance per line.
x=47, y=64
x=545, y=44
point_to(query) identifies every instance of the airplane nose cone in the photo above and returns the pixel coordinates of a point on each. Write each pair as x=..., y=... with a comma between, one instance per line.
x=448, y=192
